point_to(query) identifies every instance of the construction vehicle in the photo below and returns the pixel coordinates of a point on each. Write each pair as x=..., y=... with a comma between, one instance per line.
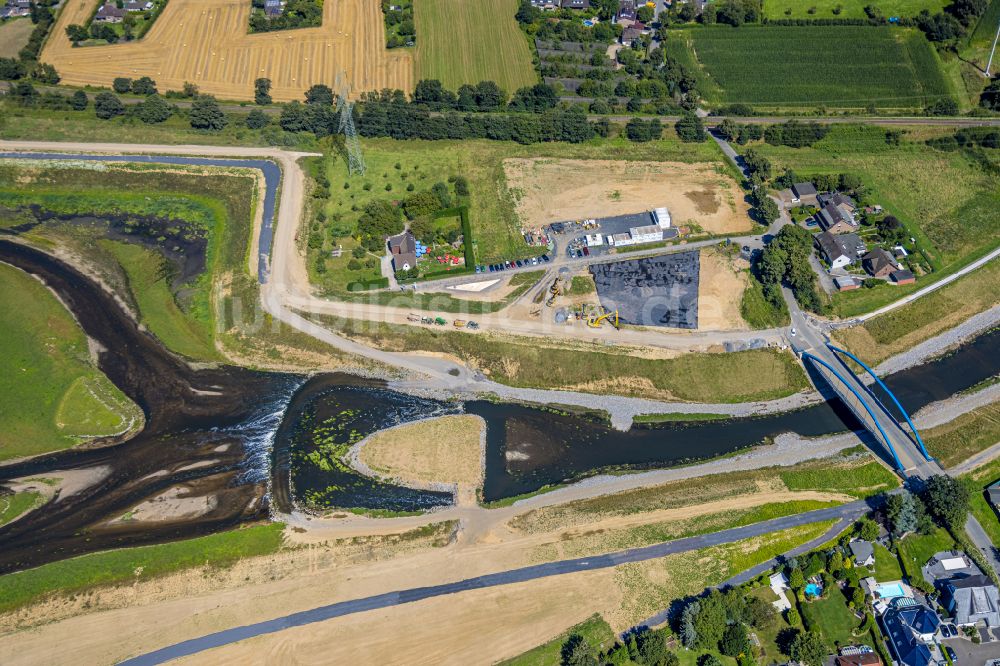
x=472, y=326
x=554, y=290
x=413, y=317
x=459, y=323
x=440, y=321
x=611, y=317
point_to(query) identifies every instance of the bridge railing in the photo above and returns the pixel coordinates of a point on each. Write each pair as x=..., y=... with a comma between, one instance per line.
x=916, y=434
x=864, y=404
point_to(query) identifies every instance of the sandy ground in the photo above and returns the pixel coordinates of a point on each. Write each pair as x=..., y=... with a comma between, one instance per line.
x=721, y=284
x=550, y=190
x=174, y=503
x=447, y=450
x=206, y=41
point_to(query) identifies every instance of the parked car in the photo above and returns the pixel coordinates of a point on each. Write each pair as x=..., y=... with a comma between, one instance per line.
x=479, y=269
x=492, y=269
x=519, y=263
x=951, y=653
x=946, y=631
x=545, y=258
x=534, y=261
x=586, y=252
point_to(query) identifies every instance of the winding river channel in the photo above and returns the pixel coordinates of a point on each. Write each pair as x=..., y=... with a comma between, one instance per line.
x=247, y=440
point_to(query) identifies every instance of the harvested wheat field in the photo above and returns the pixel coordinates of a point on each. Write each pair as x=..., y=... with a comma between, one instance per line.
x=440, y=450
x=721, y=284
x=206, y=42
x=551, y=190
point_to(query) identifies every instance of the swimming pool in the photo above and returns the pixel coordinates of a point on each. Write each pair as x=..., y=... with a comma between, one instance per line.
x=890, y=590
x=813, y=590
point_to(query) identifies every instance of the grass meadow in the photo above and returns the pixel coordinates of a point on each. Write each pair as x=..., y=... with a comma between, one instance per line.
x=14, y=34
x=13, y=505
x=811, y=66
x=461, y=42
x=53, y=396
x=594, y=629
x=977, y=480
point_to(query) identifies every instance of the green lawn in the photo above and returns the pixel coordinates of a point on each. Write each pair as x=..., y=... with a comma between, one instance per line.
x=831, y=617
x=594, y=629
x=966, y=435
x=52, y=394
x=697, y=377
x=896, y=331
x=461, y=42
x=978, y=479
x=157, y=306
x=916, y=549
x=776, y=66
x=779, y=9
x=866, y=477
x=946, y=200
x=13, y=505
x=142, y=563
x=886, y=565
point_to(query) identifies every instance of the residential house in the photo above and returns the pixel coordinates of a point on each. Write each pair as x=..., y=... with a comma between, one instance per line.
x=109, y=13
x=902, y=277
x=15, y=8
x=576, y=4
x=633, y=32
x=133, y=6
x=972, y=599
x=403, y=249
x=841, y=250
x=836, y=219
x=863, y=552
x=993, y=491
x=966, y=593
x=910, y=628
x=273, y=8
x=626, y=11
x=837, y=199
x=804, y=193
x=879, y=263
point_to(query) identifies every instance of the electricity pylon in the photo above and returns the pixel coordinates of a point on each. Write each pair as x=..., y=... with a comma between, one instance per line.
x=355, y=160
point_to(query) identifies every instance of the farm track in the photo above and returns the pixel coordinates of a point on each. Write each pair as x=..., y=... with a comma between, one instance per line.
x=206, y=41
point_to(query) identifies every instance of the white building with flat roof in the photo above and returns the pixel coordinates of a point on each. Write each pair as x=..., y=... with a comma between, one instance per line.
x=620, y=240
x=594, y=239
x=662, y=216
x=648, y=234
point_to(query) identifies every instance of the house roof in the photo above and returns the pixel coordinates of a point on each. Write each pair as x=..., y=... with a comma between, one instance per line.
x=836, y=199
x=842, y=245
x=878, y=260
x=831, y=215
x=403, y=243
x=862, y=550
x=904, y=626
x=975, y=598
x=575, y=4
x=901, y=276
x=803, y=189
x=109, y=9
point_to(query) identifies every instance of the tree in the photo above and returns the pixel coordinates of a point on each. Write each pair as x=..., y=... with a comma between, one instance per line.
x=440, y=190
x=319, y=94
x=262, y=91
x=144, y=86
x=902, y=511
x=709, y=660
x=792, y=616
x=943, y=107
x=45, y=73
x=644, y=14
x=24, y=93
x=528, y=13
x=796, y=580
x=77, y=33
x=576, y=651
x=857, y=597
x=989, y=99
x=711, y=620
x=947, y=499
x=79, y=100
x=606, y=9
x=121, y=85
x=808, y=648
x=107, y=106
x=103, y=31
x=652, y=648
x=759, y=613
x=153, y=109
x=421, y=204
x=10, y=69
x=757, y=164
x=866, y=529
x=688, y=632
x=189, y=90
x=461, y=186
x=735, y=641
x=690, y=128
x=206, y=114
x=257, y=119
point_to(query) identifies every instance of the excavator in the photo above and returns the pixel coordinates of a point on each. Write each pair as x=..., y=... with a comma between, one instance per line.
x=611, y=317
x=555, y=291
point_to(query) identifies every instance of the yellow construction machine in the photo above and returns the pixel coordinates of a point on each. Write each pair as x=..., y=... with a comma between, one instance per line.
x=594, y=321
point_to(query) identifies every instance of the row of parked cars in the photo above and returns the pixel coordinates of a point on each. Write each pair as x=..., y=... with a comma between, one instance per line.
x=509, y=265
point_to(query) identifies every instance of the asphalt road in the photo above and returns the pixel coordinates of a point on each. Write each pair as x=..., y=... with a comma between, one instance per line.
x=843, y=514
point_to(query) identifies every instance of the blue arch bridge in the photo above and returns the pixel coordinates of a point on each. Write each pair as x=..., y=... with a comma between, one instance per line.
x=898, y=444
